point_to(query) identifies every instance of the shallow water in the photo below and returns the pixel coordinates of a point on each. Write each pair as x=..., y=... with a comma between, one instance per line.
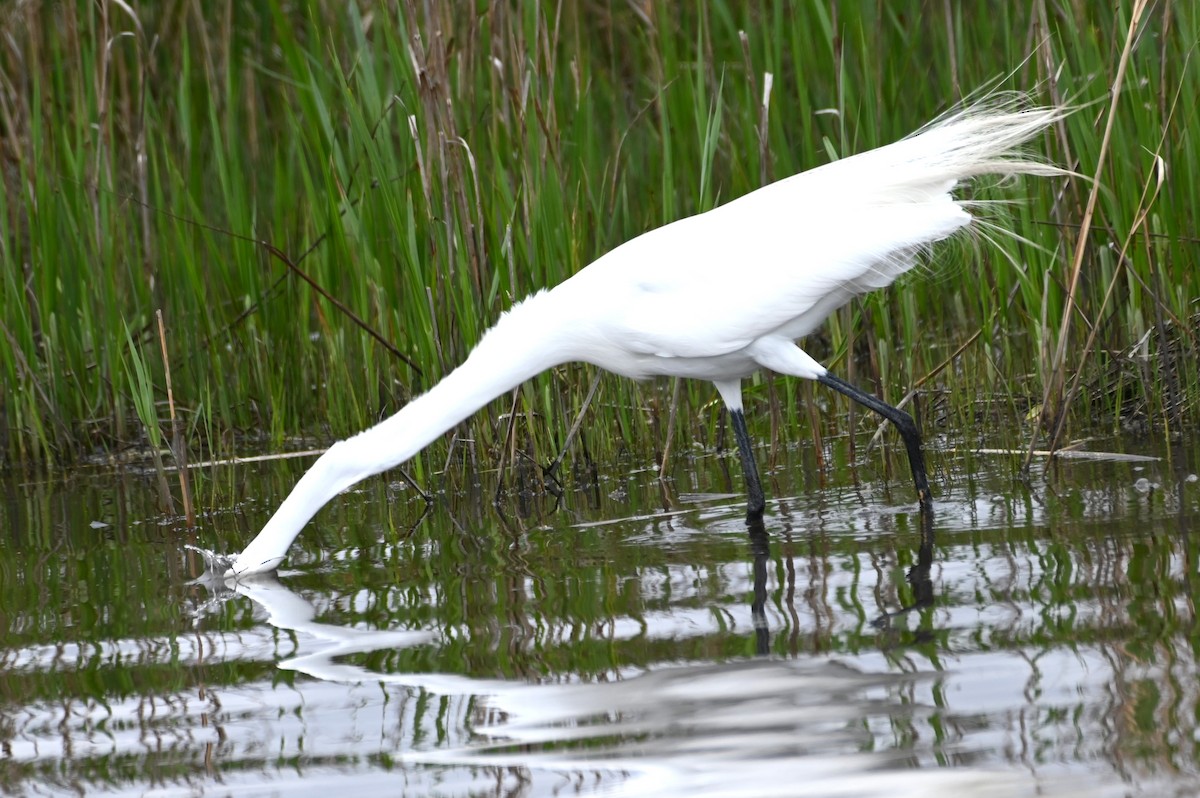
x=1027, y=642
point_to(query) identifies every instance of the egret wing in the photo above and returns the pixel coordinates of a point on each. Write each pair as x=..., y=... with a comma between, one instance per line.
x=711, y=284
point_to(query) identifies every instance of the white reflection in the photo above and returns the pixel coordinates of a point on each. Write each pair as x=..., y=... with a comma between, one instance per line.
x=811, y=726
x=289, y=611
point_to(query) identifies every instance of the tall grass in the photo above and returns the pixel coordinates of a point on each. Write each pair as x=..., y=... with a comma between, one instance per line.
x=427, y=164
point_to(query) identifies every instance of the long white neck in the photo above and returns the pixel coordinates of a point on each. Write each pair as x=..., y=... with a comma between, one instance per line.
x=526, y=341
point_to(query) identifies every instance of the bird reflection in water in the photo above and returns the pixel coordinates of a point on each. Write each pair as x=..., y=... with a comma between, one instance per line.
x=919, y=578
x=760, y=550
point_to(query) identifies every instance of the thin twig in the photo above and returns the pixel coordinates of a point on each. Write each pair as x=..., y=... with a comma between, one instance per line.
x=178, y=446
x=1054, y=385
x=282, y=257
x=1122, y=261
x=508, y=442
x=552, y=469
x=663, y=466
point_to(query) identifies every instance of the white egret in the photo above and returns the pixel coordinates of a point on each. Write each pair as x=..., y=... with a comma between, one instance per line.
x=715, y=296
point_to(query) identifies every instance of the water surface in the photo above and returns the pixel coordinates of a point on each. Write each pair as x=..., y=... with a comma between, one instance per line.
x=1023, y=642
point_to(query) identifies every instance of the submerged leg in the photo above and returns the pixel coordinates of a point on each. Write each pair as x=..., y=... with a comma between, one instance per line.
x=904, y=425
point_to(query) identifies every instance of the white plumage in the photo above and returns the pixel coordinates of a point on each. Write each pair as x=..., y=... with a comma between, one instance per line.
x=715, y=296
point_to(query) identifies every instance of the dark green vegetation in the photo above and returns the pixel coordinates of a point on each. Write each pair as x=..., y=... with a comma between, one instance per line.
x=428, y=164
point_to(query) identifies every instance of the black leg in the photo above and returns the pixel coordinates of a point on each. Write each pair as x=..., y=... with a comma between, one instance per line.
x=755, y=502
x=904, y=425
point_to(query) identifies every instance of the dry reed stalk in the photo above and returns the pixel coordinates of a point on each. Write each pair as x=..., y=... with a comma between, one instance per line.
x=178, y=445
x=1057, y=376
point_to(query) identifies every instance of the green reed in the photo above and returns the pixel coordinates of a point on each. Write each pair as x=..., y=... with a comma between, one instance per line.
x=429, y=166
